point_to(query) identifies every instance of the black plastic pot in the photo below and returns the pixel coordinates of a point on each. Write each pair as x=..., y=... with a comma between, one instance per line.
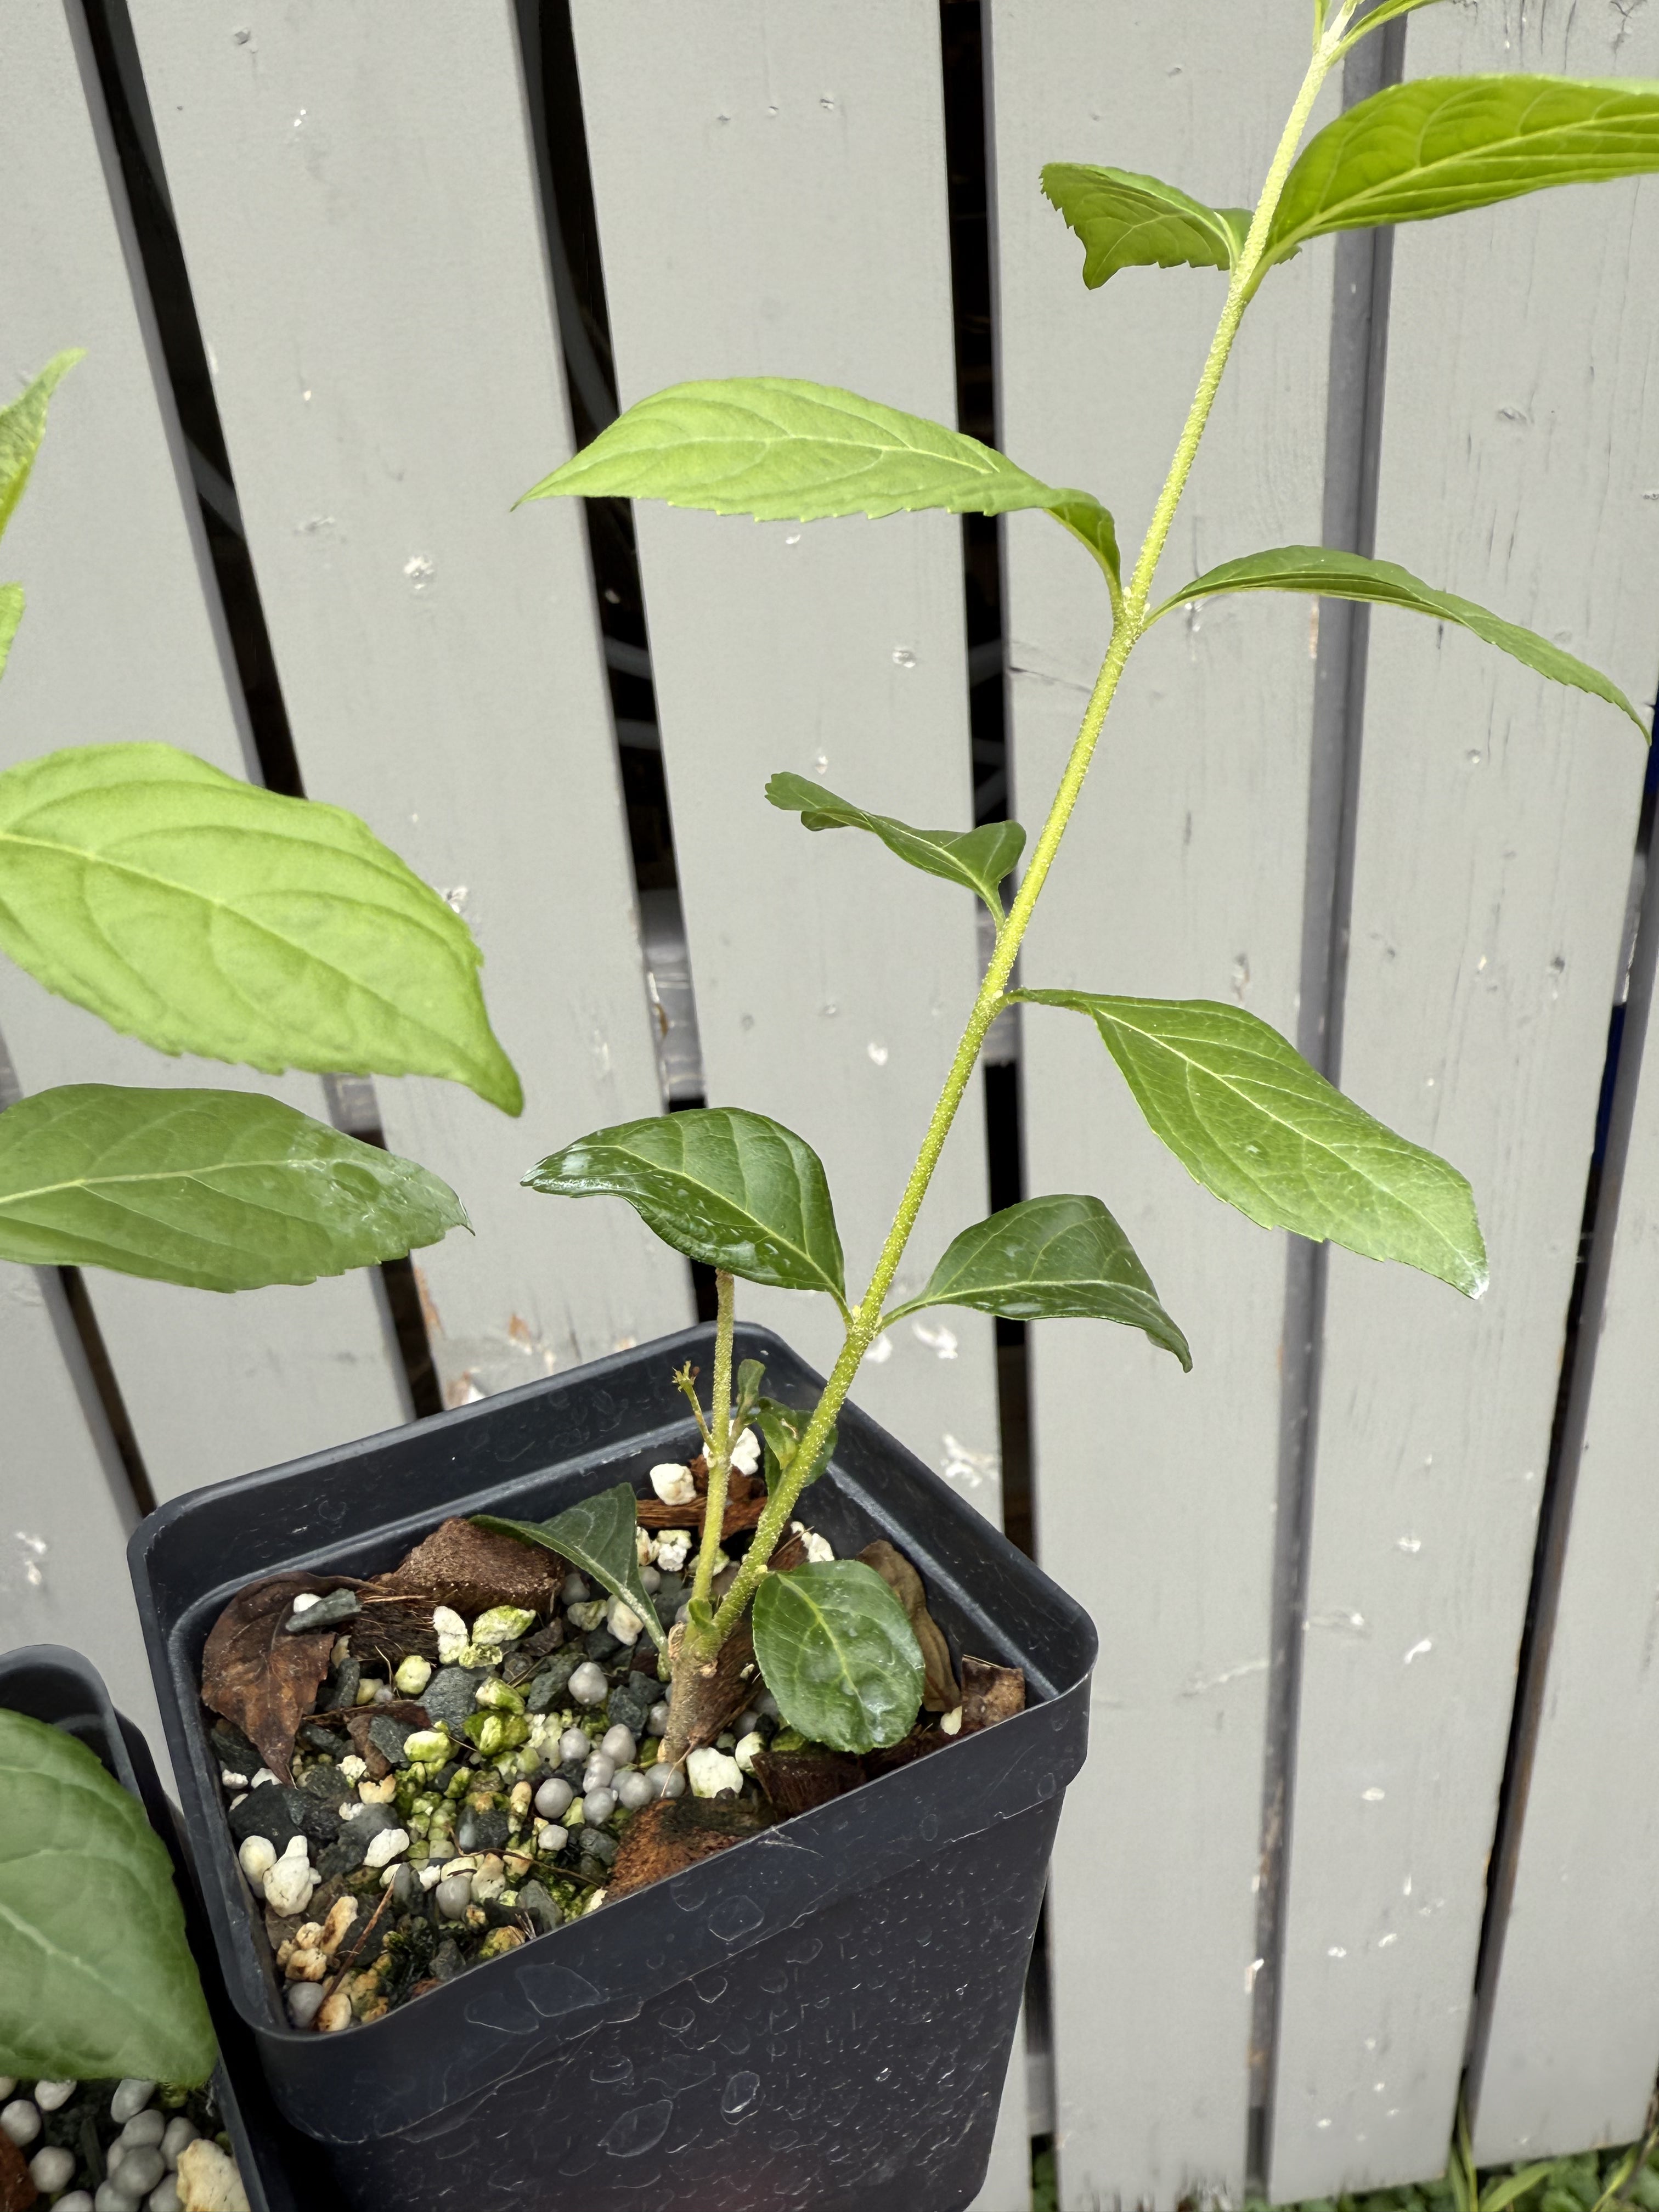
x=280, y=2172
x=820, y=2017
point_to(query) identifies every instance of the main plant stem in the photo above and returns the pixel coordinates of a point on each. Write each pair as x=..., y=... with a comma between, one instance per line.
x=720, y=1437
x=866, y=1323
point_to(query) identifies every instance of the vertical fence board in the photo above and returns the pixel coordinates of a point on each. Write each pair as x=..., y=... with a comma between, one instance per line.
x=357, y=201
x=123, y=640
x=65, y=1508
x=771, y=199
x=1572, y=2037
x=1182, y=876
x=1496, y=818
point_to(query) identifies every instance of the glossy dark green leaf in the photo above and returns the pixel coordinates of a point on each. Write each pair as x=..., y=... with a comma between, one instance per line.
x=596, y=1535
x=96, y=1979
x=23, y=426
x=1440, y=145
x=223, y=1190
x=1126, y=220
x=782, y=1429
x=1247, y=1118
x=978, y=859
x=11, y=613
x=736, y=1190
x=1052, y=1258
x=781, y=450
x=837, y=1652
x=1317, y=570
x=203, y=914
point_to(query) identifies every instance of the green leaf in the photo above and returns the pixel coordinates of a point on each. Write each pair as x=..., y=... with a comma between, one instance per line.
x=96, y=1980
x=1503, y=2194
x=23, y=426
x=223, y=1190
x=978, y=859
x=1440, y=145
x=596, y=1535
x=1332, y=575
x=1126, y=220
x=11, y=613
x=1050, y=1259
x=782, y=1429
x=784, y=451
x=1387, y=13
x=733, y=1189
x=838, y=1654
x=1247, y=1118
x=203, y=914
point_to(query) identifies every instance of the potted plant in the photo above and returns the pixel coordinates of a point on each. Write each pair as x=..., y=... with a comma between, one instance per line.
x=820, y=2009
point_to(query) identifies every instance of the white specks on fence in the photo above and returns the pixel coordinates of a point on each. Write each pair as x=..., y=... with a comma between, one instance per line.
x=1350, y=1624
x=1424, y=1644
x=1322, y=2123
x=1412, y=1544
x=877, y=1054
x=1241, y=979
x=879, y=1352
x=240, y=38
x=456, y=900
x=821, y=764
x=1250, y=1973
x=31, y=1551
x=315, y=525
x=826, y=100
x=902, y=657
x=1336, y=1951
x=942, y=1340
x=299, y=121
x=418, y=570
x=1372, y=1796
x=829, y=1010
x=1383, y=1941
x=1198, y=1682
x=969, y=1470
x=793, y=538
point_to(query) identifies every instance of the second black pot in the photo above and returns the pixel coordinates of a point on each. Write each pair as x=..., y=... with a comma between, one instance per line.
x=821, y=2017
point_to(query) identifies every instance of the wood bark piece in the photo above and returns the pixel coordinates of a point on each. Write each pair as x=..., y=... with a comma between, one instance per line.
x=939, y=1692
x=795, y=1781
x=705, y=1698
x=740, y=1513
x=471, y=1569
x=672, y=1833
x=920, y=1741
x=254, y=1673
x=390, y=1630
x=17, y=2190
x=989, y=1694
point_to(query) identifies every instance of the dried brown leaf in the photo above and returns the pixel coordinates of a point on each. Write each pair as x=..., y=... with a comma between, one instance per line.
x=260, y=1678
x=989, y=1694
x=672, y=1833
x=938, y=1693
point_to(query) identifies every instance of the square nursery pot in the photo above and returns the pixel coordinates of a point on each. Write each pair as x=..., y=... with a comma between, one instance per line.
x=280, y=2172
x=819, y=2016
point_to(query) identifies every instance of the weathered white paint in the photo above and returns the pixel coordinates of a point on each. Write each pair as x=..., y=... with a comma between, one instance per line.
x=771, y=198
x=123, y=640
x=1573, y=2039
x=1182, y=875
x=358, y=204
x=65, y=1506
x=1497, y=818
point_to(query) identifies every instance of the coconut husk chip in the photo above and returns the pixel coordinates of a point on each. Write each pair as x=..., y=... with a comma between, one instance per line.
x=672, y=1833
x=471, y=1569
x=796, y=1781
x=17, y=2191
x=741, y=1513
x=989, y=1694
x=254, y=1673
x=939, y=1692
x=704, y=1699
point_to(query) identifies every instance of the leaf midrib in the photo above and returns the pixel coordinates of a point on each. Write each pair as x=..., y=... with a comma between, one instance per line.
x=696, y=1182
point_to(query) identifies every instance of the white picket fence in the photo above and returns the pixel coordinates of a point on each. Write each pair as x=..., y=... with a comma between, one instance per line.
x=1312, y=1561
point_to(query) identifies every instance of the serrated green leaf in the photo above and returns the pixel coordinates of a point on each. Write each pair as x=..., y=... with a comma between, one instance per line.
x=1442, y=145
x=785, y=451
x=1316, y=569
x=203, y=914
x=782, y=1429
x=23, y=426
x=11, y=613
x=1126, y=220
x=733, y=1189
x=837, y=1652
x=1052, y=1259
x=96, y=1979
x=222, y=1190
x=978, y=859
x=596, y=1535
x=1247, y=1117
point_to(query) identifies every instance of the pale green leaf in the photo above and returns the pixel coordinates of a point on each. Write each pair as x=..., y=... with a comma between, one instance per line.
x=203, y=914
x=224, y=1190
x=1247, y=1118
x=781, y=450
x=731, y=1188
x=1440, y=145
x=782, y=1429
x=11, y=613
x=23, y=426
x=978, y=859
x=1387, y=13
x=1126, y=220
x=96, y=1979
x=838, y=1653
x=596, y=1535
x=1053, y=1258
x=1321, y=572
x=1502, y=2194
